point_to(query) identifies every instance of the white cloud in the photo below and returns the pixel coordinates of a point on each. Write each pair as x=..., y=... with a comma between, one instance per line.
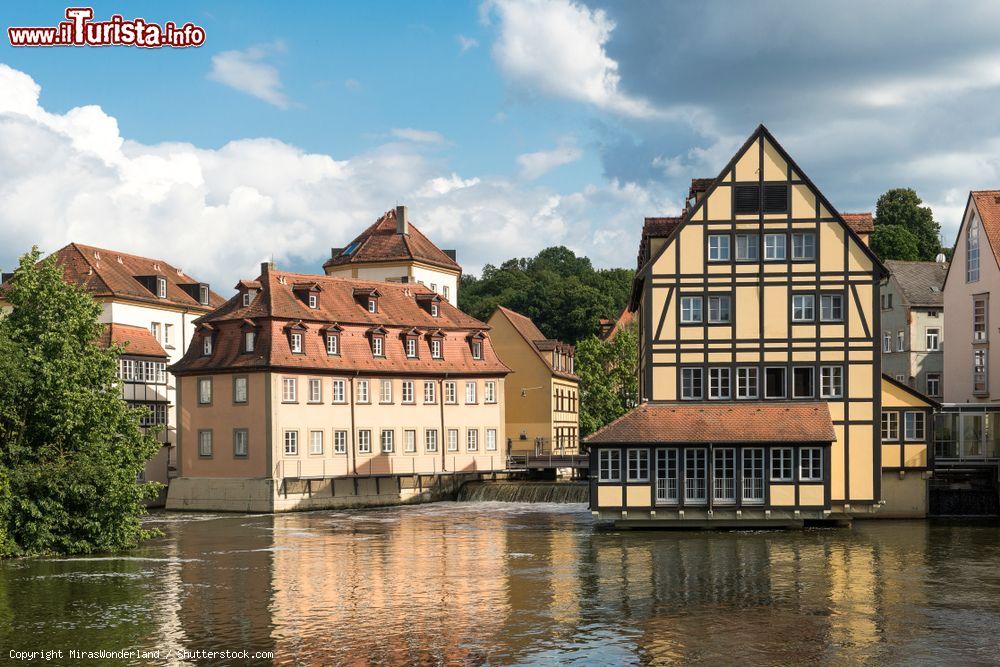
x=467, y=43
x=534, y=165
x=218, y=212
x=975, y=73
x=352, y=85
x=557, y=48
x=419, y=136
x=247, y=72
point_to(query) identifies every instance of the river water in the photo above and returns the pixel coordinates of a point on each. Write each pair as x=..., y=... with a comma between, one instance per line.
x=507, y=583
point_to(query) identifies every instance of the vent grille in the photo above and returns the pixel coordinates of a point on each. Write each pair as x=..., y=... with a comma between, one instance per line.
x=775, y=199
x=747, y=199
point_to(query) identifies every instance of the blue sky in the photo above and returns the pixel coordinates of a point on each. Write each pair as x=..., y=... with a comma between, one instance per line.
x=506, y=125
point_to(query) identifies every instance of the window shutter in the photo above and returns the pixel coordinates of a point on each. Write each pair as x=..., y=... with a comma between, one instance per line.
x=775, y=199
x=747, y=198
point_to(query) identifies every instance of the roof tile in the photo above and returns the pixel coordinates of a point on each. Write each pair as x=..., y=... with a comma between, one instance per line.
x=381, y=243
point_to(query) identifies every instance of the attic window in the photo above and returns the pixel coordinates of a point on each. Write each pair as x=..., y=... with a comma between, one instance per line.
x=435, y=348
x=161, y=288
x=202, y=294
x=434, y=310
x=247, y=298
x=477, y=349
x=372, y=305
x=776, y=198
x=206, y=345
x=378, y=343
x=748, y=199
x=313, y=301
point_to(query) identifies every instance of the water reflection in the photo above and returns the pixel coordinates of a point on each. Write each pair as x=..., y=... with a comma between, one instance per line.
x=520, y=584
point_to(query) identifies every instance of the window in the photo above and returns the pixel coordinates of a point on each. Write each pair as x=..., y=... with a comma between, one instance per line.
x=900, y=341
x=803, y=307
x=315, y=442
x=161, y=288
x=241, y=443
x=450, y=393
x=811, y=464
x=803, y=245
x=313, y=301
x=388, y=441
x=691, y=307
x=126, y=369
x=932, y=339
x=246, y=299
x=979, y=331
x=491, y=439
x=332, y=344
x=719, y=309
x=776, y=198
x=340, y=442
x=746, y=382
x=365, y=442
x=774, y=382
x=205, y=391
x=666, y=475
x=747, y=199
x=203, y=295
x=166, y=334
x=430, y=392
x=781, y=464
x=831, y=381
x=490, y=391
x=774, y=246
x=248, y=341
x=477, y=349
x=206, y=345
x=979, y=365
x=470, y=392
x=372, y=306
x=831, y=307
x=890, y=426
x=291, y=443
x=204, y=443
x=435, y=348
x=802, y=382
x=377, y=343
x=609, y=466
x=434, y=310
x=434, y=287
x=408, y=391
x=409, y=441
x=900, y=377
x=296, y=339
x=718, y=247
x=289, y=390
x=972, y=252
x=315, y=390
x=453, y=440
x=154, y=329
x=411, y=348
x=362, y=391
x=431, y=440
x=887, y=342
x=385, y=395
x=339, y=391
x=724, y=475
x=753, y=476
x=718, y=383
x=747, y=247
x=691, y=383
x=933, y=384
x=914, y=427
x=239, y=389
x=638, y=465
x=695, y=475
x=472, y=439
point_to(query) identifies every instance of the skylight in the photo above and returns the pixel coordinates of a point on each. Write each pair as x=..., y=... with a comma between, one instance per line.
x=349, y=250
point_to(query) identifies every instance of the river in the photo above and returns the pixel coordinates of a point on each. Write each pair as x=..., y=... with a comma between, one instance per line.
x=508, y=583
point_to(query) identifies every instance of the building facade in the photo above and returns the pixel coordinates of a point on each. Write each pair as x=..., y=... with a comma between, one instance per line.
x=307, y=391
x=907, y=450
x=758, y=367
x=542, y=392
x=394, y=250
x=912, y=310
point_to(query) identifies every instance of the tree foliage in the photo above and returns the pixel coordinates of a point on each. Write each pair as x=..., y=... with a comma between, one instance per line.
x=902, y=208
x=895, y=242
x=609, y=379
x=562, y=293
x=70, y=448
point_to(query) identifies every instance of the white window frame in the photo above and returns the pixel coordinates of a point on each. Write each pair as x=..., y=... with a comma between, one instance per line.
x=289, y=390
x=784, y=459
x=316, y=442
x=453, y=440
x=378, y=349
x=637, y=468
x=750, y=241
x=719, y=248
x=886, y=342
x=313, y=301
x=161, y=288
x=385, y=391
x=409, y=441
x=477, y=350
x=296, y=342
x=811, y=464
x=408, y=392
x=451, y=392
x=430, y=440
x=688, y=376
x=775, y=247
x=972, y=251
x=900, y=341
x=911, y=420
x=826, y=302
x=372, y=306
x=206, y=345
x=315, y=390
x=803, y=307
x=387, y=441
x=290, y=441
x=491, y=439
x=747, y=382
x=340, y=442
x=361, y=392
x=364, y=441
x=339, y=391
x=411, y=348
x=472, y=439
x=801, y=243
x=205, y=391
x=692, y=309
x=609, y=465
x=932, y=339
x=890, y=426
x=936, y=379
x=490, y=391
x=831, y=381
x=435, y=348
x=430, y=392
x=332, y=344
x=471, y=393
x=719, y=383
x=720, y=309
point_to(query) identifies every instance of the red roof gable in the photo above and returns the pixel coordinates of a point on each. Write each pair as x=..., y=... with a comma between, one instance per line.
x=136, y=340
x=383, y=243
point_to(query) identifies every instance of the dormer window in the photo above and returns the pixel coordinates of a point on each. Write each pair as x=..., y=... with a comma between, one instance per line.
x=247, y=298
x=332, y=344
x=295, y=339
x=434, y=310
x=203, y=294
x=372, y=305
x=206, y=345
x=377, y=343
x=161, y=288
x=411, y=348
x=477, y=349
x=436, y=348
x=248, y=341
x=313, y=301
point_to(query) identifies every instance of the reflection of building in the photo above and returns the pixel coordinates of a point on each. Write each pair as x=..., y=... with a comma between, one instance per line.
x=393, y=249
x=301, y=378
x=542, y=392
x=759, y=376
x=912, y=309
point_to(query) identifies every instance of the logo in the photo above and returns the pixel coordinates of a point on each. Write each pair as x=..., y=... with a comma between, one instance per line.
x=79, y=29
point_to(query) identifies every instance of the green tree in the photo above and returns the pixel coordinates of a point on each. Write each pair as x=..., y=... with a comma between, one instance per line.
x=70, y=448
x=609, y=380
x=902, y=207
x=562, y=293
x=895, y=242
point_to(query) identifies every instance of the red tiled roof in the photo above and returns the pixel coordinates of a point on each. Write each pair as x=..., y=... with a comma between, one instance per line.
x=382, y=243
x=114, y=274
x=611, y=328
x=536, y=339
x=789, y=421
x=136, y=340
x=861, y=223
x=277, y=306
x=988, y=204
x=655, y=228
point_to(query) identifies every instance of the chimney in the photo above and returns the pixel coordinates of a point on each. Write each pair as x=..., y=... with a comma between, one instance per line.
x=335, y=251
x=265, y=267
x=452, y=254
x=402, y=224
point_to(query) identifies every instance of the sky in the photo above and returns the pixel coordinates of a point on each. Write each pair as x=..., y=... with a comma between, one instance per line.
x=506, y=126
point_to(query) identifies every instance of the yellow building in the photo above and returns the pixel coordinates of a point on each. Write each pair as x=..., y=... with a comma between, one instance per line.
x=542, y=392
x=759, y=372
x=906, y=432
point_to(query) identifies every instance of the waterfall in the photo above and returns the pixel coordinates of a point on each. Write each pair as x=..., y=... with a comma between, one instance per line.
x=524, y=492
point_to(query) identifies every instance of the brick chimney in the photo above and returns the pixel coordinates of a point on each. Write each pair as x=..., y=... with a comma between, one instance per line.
x=402, y=224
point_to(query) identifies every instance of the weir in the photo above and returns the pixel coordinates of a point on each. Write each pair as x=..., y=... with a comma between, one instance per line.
x=512, y=491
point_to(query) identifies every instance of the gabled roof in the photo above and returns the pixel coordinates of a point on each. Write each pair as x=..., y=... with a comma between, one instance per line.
x=861, y=223
x=535, y=339
x=987, y=203
x=910, y=390
x=110, y=273
x=922, y=283
x=137, y=341
x=717, y=422
x=382, y=243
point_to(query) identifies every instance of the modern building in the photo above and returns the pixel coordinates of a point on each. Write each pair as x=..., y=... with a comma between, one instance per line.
x=759, y=373
x=394, y=250
x=307, y=391
x=912, y=311
x=150, y=307
x=542, y=393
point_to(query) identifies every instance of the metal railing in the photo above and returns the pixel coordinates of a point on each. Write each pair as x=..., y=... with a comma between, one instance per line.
x=724, y=490
x=666, y=490
x=753, y=490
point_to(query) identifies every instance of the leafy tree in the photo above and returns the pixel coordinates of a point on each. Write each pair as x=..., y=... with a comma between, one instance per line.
x=609, y=380
x=562, y=293
x=902, y=207
x=70, y=448
x=895, y=242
